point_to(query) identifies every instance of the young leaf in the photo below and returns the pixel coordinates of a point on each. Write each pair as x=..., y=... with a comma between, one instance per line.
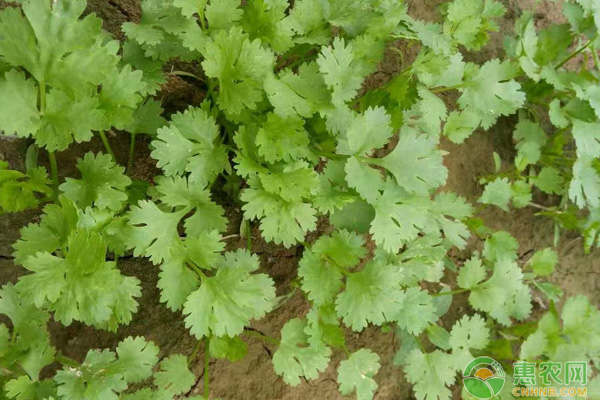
x=356, y=374
x=371, y=295
x=416, y=163
x=491, y=92
x=20, y=191
x=336, y=63
x=154, y=232
x=430, y=373
x=136, y=358
x=18, y=104
x=240, y=65
x=543, y=262
x=295, y=357
x=188, y=145
x=173, y=375
x=227, y=301
x=102, y=183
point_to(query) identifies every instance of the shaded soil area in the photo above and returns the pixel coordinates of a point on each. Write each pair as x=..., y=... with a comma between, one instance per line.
x=253, y=377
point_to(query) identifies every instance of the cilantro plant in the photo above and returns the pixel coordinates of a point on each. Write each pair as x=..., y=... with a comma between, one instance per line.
x=557, y=129
x=291, y=133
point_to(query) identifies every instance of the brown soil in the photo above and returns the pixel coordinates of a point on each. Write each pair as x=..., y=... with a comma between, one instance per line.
x=253, y=377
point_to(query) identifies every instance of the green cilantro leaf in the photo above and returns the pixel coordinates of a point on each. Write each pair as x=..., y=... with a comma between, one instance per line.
x=265, y=20
x=176, y=282
x=51, y=233
x=282, y=139
x=18, y=104
x=19, y=191
x=543, y=262
x=587, y=138
x=367, y=181
x=93, y=379
x=584, y=188
x=300, y=94
x=356, y=374
x=368, y=130
x=241, y=66
x=223, y=14
x=469, y=332
x=549, y=180
x=535, y=345
x=296, y=357
x=154, y=233
x=471, y=273
x=468, y=21
x=136, y=358
x=23, y=388
x=227, y=301
x=188, y=145
x=173, y=375
x=417, y=311
x=430, y=373
x=120, y=96
x=491, y=92
x=416, y=163
x=282, y=221
x=336, y=63
x=498, y=193
x=500, y=245
x=82, y=286
x=460, y=125
x=320, y=265
x=65, y=120
x=372, y=295
x=231, y=348
x=103, y=183
x=178, y=191
x=504, y=295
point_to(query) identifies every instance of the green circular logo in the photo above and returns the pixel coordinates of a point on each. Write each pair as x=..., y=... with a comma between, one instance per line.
x=483, y=377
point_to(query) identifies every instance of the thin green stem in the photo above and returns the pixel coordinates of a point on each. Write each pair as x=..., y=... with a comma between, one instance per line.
x=447, y=88
x=106, y=144
x=206, y=371
x=201, y=15
x=544, y=208
x=332, y=156
x=338, y=267
x=420, y=344
x=188, y=74
x=372, y=161
x=450, y=292
x=131, y=153
x=53, y=170
x=211, y=87
x=197, y=270
x=574, y=54
x=42, y=97
x=51, y=156
x=248, y=236
x=259, y=335
x=192, y=356
x=346, y=352
x=64, y=360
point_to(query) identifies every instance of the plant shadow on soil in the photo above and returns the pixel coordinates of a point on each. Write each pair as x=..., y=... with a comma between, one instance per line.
x=253, y=377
